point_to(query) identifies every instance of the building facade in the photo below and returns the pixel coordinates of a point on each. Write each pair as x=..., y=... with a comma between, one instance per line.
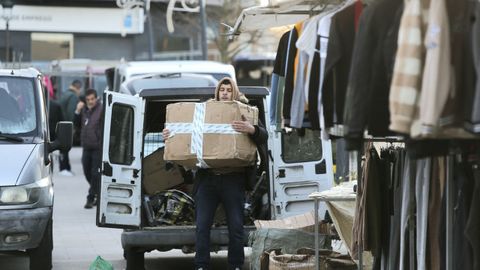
x=98, y=30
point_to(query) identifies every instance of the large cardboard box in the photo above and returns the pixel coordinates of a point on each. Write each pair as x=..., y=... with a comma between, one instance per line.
x=202, y=134
x=157, y=176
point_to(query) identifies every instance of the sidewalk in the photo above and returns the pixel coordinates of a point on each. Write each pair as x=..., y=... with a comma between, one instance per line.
x=77, y=239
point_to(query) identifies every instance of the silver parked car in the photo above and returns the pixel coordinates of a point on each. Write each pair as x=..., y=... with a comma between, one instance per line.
x=26, y=189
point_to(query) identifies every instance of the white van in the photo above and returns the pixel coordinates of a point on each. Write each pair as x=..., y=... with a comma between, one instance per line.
x=125, y=71
x=297, y=164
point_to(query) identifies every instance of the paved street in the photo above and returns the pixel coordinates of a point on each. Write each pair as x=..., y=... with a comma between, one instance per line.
x=77, y=240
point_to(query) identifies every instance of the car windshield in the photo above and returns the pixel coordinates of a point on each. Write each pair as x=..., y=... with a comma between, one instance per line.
x=17, y=105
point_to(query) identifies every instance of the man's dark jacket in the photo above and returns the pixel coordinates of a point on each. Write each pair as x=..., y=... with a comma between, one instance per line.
x=90, y=121
x=260, y=138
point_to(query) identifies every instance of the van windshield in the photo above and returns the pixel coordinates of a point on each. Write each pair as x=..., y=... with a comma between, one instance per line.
x=17, y=105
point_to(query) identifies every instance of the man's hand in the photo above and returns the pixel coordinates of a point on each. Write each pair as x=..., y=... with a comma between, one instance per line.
x=166, y=134
x=243, y=126
x=79, y=108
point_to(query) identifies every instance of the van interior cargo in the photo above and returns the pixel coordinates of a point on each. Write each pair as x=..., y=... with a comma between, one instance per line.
x=160, y=176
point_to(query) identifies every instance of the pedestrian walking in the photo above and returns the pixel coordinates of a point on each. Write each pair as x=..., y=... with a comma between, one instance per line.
x=89, y=118
x=226, y=186
x=68, y=102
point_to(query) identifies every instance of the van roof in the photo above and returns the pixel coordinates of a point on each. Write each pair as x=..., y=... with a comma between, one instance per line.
x=145, y=67
x=195, y=92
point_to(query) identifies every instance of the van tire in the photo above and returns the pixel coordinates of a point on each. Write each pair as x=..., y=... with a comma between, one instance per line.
x=135, y=259
x=41, y=256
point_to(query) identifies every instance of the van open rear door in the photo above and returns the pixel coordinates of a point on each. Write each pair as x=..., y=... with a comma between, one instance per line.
x=120, y=188
x=302, y=165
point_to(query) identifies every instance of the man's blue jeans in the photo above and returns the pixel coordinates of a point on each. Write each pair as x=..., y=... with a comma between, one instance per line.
x=228, y=189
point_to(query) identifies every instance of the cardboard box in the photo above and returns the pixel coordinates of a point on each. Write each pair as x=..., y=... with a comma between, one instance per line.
x=202, y=134
x=157, y=176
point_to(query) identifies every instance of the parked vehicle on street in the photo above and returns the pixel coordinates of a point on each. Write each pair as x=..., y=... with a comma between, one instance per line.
x=298, y=164
x=90, y=72
x=254, y=69
x=134, y=85
x=128, y=70
x=26, y=187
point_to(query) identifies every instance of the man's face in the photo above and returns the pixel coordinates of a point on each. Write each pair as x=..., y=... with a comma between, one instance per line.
x=225, y=93
x=91, y=101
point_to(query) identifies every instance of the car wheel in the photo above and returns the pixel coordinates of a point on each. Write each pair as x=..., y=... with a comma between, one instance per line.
x=135, y=259
x=41, y=256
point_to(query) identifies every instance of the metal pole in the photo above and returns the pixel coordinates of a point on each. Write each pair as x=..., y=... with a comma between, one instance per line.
x=203, y=18
x=7, y=41
x=150, y=36
x=449, y=215
x=315, y=201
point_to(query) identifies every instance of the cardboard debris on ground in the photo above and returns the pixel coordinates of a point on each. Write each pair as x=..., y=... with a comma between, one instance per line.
x=304, y=222
x=220, y=150
x=157, y=176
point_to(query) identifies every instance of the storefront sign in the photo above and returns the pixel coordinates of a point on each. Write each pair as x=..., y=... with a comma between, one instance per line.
x=75, y=20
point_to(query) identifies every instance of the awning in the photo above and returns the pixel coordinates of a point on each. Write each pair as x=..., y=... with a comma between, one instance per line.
x=277, y=13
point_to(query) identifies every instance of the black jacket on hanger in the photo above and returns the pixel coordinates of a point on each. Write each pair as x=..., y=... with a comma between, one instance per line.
x=290, y=76
x=337, y=65
x=471, y=72
x=368, y=90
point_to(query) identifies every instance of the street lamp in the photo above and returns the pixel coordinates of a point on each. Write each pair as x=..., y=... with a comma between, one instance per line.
x=7, y=6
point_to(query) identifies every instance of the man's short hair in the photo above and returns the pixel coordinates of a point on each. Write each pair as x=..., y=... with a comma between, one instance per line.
x=77, y=83
x=91, y=92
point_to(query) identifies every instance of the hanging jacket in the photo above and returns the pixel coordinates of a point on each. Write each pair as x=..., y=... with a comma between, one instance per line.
x=290, y=71
x=407, y=74
x=472, y=98
x=366, y=104
x=278, y=74
x=437, y=71
x=337, y=65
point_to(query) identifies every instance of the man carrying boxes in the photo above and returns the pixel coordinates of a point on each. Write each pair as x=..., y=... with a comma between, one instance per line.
x=220, y=139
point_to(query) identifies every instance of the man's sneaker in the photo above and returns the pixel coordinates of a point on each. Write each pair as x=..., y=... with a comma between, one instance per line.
x=89, y=204
x=66, y=173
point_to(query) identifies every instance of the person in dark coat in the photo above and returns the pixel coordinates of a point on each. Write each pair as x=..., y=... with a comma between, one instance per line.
x=226, y=186
x=89, y=118
x=69, y=101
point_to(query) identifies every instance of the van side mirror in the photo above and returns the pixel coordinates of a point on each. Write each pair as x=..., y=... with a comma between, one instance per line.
x=64, y=139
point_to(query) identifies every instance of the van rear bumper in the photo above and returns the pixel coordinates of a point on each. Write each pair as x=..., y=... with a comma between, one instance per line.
x=31, y=222
x=168, y=237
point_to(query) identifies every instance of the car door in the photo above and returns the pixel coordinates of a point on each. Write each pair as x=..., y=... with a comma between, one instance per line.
x=302, y=164
x=120, y=188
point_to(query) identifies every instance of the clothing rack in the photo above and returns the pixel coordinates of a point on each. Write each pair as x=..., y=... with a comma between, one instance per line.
x=355, y=167
x=449, y=193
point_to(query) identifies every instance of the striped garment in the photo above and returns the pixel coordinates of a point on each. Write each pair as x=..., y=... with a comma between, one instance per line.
x=407, y=74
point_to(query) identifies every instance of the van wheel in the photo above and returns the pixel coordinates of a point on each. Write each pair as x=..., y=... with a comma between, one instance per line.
x=135, y=259
x=41, y=256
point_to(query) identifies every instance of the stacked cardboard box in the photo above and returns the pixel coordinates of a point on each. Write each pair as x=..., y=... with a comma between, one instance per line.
x=157, y=176
x=202, y=134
